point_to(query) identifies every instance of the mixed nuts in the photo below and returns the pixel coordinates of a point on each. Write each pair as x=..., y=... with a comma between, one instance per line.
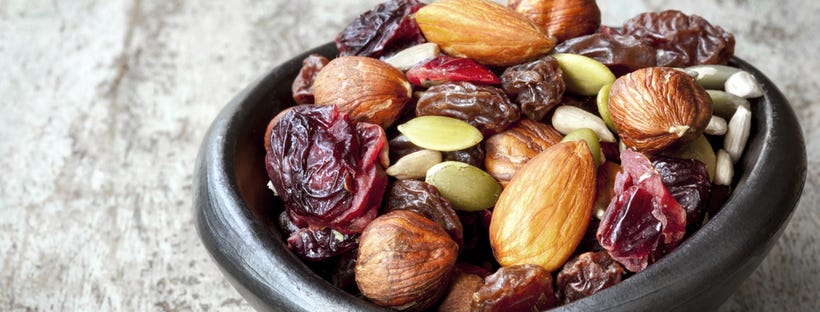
x=472, y=156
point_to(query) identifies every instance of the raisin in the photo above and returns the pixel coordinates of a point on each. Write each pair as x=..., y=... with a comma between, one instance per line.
x=382, y=31
x=681, y=40
x=325, y=168
x=586, y=274
x=524, y=287
x=473, y=155
x=441, y=69
x=536, y=86
x=400, y=146
x=485, y=107
x=643, y=221
x=621, y=53
x=320, y=244
x=303, y=83
x=424, y=199
x=688, y=182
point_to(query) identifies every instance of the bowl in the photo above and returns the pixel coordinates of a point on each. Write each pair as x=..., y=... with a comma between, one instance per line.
x=236, y=214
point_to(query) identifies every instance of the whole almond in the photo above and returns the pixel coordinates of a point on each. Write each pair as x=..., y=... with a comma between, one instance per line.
x=563, y=19
x=365, y=88
x=543, y=213
x=483, y=30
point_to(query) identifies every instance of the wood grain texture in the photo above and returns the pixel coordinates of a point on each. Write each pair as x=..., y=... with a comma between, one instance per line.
x=104, y=104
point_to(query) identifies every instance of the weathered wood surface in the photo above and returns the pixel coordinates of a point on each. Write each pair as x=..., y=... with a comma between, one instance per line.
x=104, y=104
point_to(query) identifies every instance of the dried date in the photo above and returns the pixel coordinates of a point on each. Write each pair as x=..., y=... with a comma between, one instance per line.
x=424, y=199
x=303, y=83
x=586, y=274
x=382, y=31
x=524, y=287
x=536, y=86
x=485, y=107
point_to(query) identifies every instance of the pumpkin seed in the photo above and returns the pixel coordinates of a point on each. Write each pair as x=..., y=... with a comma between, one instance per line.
x=466, y=187
x=414, y=165
x=699, y=149
x=602, y=100
x=440, y=133
x=588, y=136
x=712, y=76
x=583, y=75
x=725, y=104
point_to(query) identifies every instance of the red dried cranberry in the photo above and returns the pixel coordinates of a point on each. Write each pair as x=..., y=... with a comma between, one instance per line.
x=441, y=69
x=643, y=222
x=302, y=86
x=382, y=31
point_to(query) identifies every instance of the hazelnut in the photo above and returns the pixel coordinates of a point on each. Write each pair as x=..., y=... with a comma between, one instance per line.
x=508, y=151
x=405, y=261
x=658, y=107
x=562, y=19
x=366, y=89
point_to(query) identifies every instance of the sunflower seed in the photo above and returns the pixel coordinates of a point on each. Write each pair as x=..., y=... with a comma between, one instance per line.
x=724, y=171
x=406, y=58
x=744, y=85
x=414, y=165
x=717, y=126
x=738, y=133
x=567, y=118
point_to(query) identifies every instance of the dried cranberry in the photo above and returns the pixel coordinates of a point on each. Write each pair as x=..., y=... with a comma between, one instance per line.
x=536, y=86
x=382, y=31
x=325, y=168
x=643, y=222
x=302, y=86
x=621, y=53
x=320, y=244
x=688, y=182
x=680, y=39
x=441, y=69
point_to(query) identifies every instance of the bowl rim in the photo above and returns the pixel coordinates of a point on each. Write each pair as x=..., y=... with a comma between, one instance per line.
x=238, y=242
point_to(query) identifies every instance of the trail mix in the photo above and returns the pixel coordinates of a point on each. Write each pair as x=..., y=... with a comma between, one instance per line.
x=467, y=156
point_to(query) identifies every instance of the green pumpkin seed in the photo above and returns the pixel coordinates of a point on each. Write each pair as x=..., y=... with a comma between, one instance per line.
x=583, y=75
x=590, y=138
x=440, y=133
x=712, y=76
x=602, y=100
x=699, y=149
x=725, y=104
x=466, y=187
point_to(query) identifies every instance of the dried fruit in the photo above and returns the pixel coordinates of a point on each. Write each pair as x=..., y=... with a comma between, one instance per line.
x=585, y=275
x=464, y=186
x=405, y=261
x=302, y=86
x=543, y=212
x=510, y=150
x=681, y=40
x=482, y=30
x=382, y=31
x=561, y=19
x=536, y=86
x=524, y=287
x=657, y=107
x=366, y=89
x=473, y=156
x=461, y=292
x=688, y=182
x=485, y=107
x=440, y=133
x=583, y=75
x=424, y=199
x=605, y=186
x=699, y=149
x=441, y=69
x=621, y=53
x=643, y=222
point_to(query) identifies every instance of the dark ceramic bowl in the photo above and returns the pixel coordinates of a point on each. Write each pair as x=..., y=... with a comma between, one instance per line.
x=236, y=213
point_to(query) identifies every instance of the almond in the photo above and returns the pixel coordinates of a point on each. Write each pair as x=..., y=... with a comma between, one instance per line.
x=365, y=88
x=543, y=213
x=485, y=31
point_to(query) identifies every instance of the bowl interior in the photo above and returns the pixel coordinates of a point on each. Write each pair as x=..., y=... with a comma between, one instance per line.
x=237, y=214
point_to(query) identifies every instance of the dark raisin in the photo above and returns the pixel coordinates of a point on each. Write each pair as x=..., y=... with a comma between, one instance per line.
x=536, y=86
x=315, y=245
x=424, y=199
x=303, y=83
x=473, y=155
x=688, y=182
x=382, y=31
x=586, y=274
x=621, y=53
x=400, y=146
x=525, y=287
x=485, y=107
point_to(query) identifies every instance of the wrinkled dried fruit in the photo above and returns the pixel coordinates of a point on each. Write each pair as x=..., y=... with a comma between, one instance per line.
x=382, y=31
x=510, y=150
x=543, y=212
x=681, y=40
x=658, y=107
x=440, y=133
x=325, y=169
x=466, y=187
x=366, y=89
x=302, y=86
x=643, y=222
x=320, y=244
x=405, y=261
x=485, y=107
x=562, y=19
x=461, y=292
x=621, y=53
x=605, y=186
x=585, y=275
x=482, y=30
x=699, y=149
x=444, y=68
x=525, y=287
x=536, y=86
x=473, y=156
x=424, y=199
x=688, y=182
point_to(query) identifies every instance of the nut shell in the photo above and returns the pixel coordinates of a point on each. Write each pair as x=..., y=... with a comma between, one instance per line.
x=658, y=107
x=365, y=88
x=508, y=151
x=405, y=261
